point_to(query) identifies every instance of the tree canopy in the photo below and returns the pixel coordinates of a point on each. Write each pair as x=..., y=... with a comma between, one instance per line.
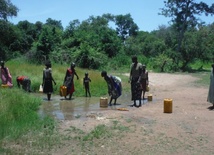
x=7, y=9
x=184, y=16
x=93, y=43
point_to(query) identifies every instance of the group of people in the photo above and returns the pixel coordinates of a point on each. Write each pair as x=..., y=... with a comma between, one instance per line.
x=47, y=80
x=6, y=78
x=138, y=78
x=68, y=81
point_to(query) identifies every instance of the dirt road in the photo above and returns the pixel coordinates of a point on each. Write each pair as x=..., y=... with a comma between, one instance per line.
x=187, y=130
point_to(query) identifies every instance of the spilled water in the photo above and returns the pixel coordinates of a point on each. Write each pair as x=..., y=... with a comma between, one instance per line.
x=62, y=109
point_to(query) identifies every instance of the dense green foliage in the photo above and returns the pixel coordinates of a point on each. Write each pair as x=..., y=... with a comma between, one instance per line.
x=93, y=43
x=187, y=28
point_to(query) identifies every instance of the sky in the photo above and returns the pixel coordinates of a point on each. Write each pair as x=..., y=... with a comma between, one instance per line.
x=143, y=12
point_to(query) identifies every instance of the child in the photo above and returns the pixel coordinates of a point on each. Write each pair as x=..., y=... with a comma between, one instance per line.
x=86, y=81
x=143, y=80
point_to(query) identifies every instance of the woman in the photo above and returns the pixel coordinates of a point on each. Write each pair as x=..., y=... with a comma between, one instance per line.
x=69, y=80
x=135, y=85
x=47, y=80
x=6, y=77
x=114, y=86
x=25, y=82
x=210, y=97
x=144, y=80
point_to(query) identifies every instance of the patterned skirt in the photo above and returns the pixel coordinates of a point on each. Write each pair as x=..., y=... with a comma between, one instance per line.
x=136, y=89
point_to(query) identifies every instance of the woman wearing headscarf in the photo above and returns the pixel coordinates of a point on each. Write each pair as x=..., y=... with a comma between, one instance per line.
x=6, y=77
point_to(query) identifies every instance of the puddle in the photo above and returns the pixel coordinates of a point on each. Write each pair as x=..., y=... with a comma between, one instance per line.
x=78, y=107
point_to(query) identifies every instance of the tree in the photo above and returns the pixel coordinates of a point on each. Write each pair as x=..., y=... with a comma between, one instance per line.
x=125, y=26
x=69, y=30
x=7, y=9
x=184, y=17
x=55, y=23
x=9, y=36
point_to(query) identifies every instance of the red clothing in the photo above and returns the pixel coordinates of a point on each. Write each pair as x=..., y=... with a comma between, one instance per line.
x=69, y=81
x=21, y=78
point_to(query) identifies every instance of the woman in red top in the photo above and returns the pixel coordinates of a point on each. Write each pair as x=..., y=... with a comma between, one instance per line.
x=25, y=82
x=69, y=80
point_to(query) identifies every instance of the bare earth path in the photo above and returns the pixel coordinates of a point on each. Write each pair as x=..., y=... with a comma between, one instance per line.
x=187, y=130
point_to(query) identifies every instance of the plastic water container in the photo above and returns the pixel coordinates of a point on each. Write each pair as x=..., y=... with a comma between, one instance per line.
x=103, y=102
x=4, y=86
x=150, y=97
x=167, y=106
x=63, y=90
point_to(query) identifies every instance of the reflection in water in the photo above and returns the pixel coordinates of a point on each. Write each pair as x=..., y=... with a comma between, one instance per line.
x=87, y=103
x=67, y=108
x=63, y=109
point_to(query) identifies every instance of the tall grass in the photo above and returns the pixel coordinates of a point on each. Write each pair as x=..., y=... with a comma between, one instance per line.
x=19, y=120
x=18, y=112
x=98, y=85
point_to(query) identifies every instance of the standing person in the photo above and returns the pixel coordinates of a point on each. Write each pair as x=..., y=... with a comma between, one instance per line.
x=25, y=82
x=47, y=80
x=69, y=80
x=144, y=80
x=114, y=86
x=86, y=81
x=210, y=97
x=6, y=77
x=135, y=72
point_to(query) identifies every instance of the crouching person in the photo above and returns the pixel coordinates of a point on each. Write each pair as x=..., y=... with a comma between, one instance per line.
x=25, y=82
x=114, y=86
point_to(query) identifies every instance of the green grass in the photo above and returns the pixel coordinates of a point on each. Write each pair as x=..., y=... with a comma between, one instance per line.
x=21, y=125
x=98, y=132
x=20, y=122
x=98, y=85
x=18, y=111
